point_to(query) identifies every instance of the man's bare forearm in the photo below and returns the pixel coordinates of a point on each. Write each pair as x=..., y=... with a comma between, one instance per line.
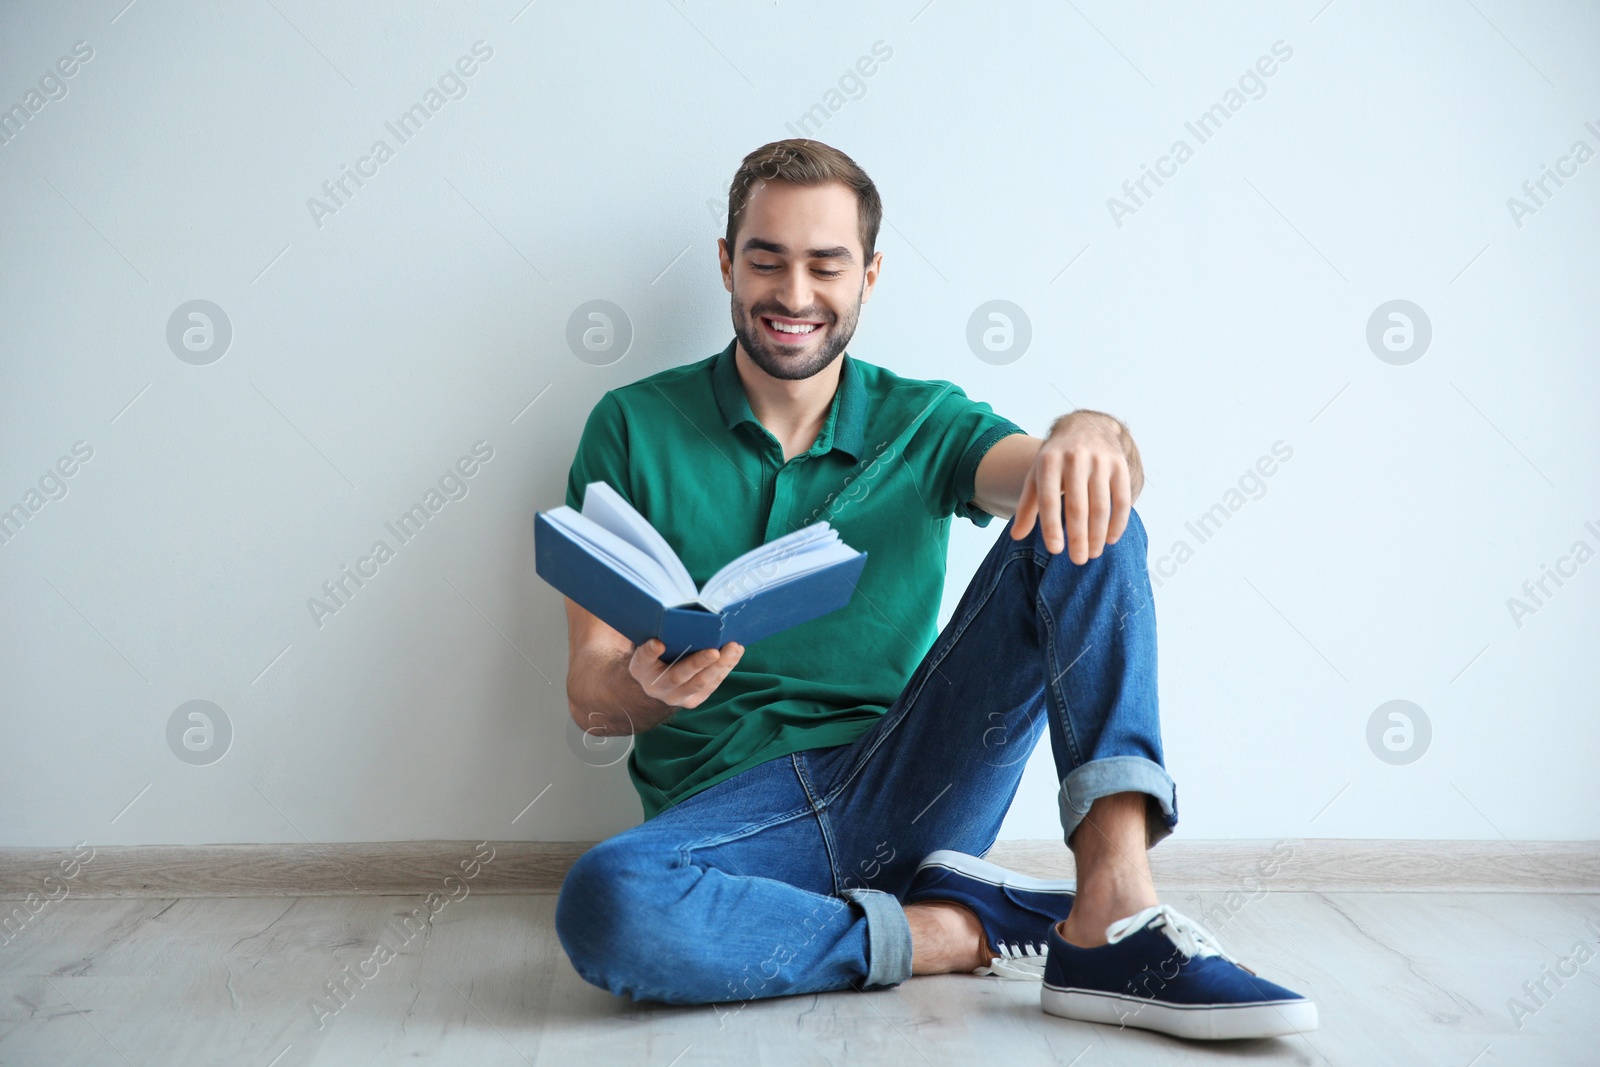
x=606, y=700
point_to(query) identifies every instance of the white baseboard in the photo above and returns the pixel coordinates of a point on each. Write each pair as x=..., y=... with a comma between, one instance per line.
x=411, y=867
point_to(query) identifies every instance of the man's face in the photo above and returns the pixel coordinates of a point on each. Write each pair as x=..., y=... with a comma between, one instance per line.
x=797, y=276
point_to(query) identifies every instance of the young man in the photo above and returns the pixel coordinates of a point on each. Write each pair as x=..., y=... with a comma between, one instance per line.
x=815, y=804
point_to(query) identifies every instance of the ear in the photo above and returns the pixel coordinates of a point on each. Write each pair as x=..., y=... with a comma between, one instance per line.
x=727, y=263
x=870, y=279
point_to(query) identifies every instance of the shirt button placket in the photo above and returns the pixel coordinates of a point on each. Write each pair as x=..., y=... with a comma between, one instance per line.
x=778, y=513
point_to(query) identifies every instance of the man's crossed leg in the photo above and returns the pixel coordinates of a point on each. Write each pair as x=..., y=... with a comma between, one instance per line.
x=789, y=877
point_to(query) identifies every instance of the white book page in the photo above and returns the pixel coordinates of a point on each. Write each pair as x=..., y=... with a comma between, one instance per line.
x=788, y=543
x=779, y=573
x=792, y=556
x=624, y=558
x=605, y=506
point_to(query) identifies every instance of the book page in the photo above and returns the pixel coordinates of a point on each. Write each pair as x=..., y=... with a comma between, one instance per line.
x=791, y=556
x=612, y=551
x=788, y=543
x=775, y=573
x=605, y=506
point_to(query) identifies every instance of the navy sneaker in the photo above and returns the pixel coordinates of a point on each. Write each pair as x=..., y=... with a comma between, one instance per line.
x=1017, y=912
x=1163, y=971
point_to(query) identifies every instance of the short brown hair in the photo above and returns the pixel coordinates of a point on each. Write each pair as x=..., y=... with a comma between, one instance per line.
x=802, y=161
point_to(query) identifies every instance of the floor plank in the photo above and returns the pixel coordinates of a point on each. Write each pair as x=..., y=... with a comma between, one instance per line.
x=1414, y=978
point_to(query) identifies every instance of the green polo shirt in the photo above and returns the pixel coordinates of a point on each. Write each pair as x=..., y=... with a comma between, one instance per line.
x=895, y=461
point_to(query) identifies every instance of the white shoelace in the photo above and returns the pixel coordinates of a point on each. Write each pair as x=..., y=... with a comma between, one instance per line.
x=1189, y=937
x=1026, y=962
x=1022, y=962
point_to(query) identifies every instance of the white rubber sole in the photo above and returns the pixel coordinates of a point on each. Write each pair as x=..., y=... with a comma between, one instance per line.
x=1204, y=1022
x=994, y=874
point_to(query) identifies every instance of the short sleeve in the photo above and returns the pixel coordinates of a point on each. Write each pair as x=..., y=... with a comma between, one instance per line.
x=602, y=453
x=962, y=430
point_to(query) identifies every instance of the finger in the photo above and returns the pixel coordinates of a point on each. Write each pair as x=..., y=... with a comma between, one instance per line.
x=643, y=656
x=646, y=664
x=672, y=677
x=694, y=691
x=706, y=682
x=1049, y=503
x=692, y=674
x=1027, y=511
x=1099, y=505
x=1121, y=502
x=1075, y=489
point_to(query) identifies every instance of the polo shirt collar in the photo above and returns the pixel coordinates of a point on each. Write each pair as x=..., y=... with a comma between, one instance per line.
x=844, y=429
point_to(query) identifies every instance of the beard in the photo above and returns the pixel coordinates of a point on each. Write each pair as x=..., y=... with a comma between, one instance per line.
x=797, y=366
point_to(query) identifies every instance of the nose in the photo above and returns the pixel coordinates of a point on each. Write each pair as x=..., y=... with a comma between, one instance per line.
x=794, y=291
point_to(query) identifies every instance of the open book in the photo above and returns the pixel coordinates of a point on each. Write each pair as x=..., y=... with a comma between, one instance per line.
x=612, y=562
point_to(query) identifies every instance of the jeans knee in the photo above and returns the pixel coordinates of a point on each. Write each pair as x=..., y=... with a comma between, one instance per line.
x=596, y=912
x=1136, y=528
x=1129, y=550
x=620, y=919
x=1134, y=541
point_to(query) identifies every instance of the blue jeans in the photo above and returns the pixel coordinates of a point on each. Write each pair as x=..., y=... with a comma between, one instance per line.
x=787, y=877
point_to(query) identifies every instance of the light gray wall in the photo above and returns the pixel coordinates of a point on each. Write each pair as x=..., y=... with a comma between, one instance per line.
x=374, y=346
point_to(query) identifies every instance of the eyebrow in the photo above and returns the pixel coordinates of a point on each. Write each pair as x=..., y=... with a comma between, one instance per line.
x=757, y=244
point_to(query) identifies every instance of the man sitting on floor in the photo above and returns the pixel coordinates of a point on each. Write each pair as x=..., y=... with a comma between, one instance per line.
x=815, y=804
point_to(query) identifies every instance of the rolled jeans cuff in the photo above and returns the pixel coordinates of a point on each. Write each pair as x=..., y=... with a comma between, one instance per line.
x=888, y=937
x=1120, y=774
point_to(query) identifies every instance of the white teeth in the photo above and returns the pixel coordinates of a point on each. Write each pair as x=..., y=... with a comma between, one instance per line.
x=783, y=327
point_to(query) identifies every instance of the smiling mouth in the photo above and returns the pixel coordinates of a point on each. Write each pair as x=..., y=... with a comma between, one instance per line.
x=789, y=331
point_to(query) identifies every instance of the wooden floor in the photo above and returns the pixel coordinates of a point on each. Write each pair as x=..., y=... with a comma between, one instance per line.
x=1403, y=978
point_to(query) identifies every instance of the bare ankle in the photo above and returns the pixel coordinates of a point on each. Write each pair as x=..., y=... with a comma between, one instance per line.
x=945, y=938
x=1085, y=926
x=1110, y=850
x=1082, y=933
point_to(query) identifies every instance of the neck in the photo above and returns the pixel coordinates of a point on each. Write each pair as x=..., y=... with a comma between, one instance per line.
x=792, y=411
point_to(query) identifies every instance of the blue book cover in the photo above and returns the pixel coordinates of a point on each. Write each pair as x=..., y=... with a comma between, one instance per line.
x=610, y=561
